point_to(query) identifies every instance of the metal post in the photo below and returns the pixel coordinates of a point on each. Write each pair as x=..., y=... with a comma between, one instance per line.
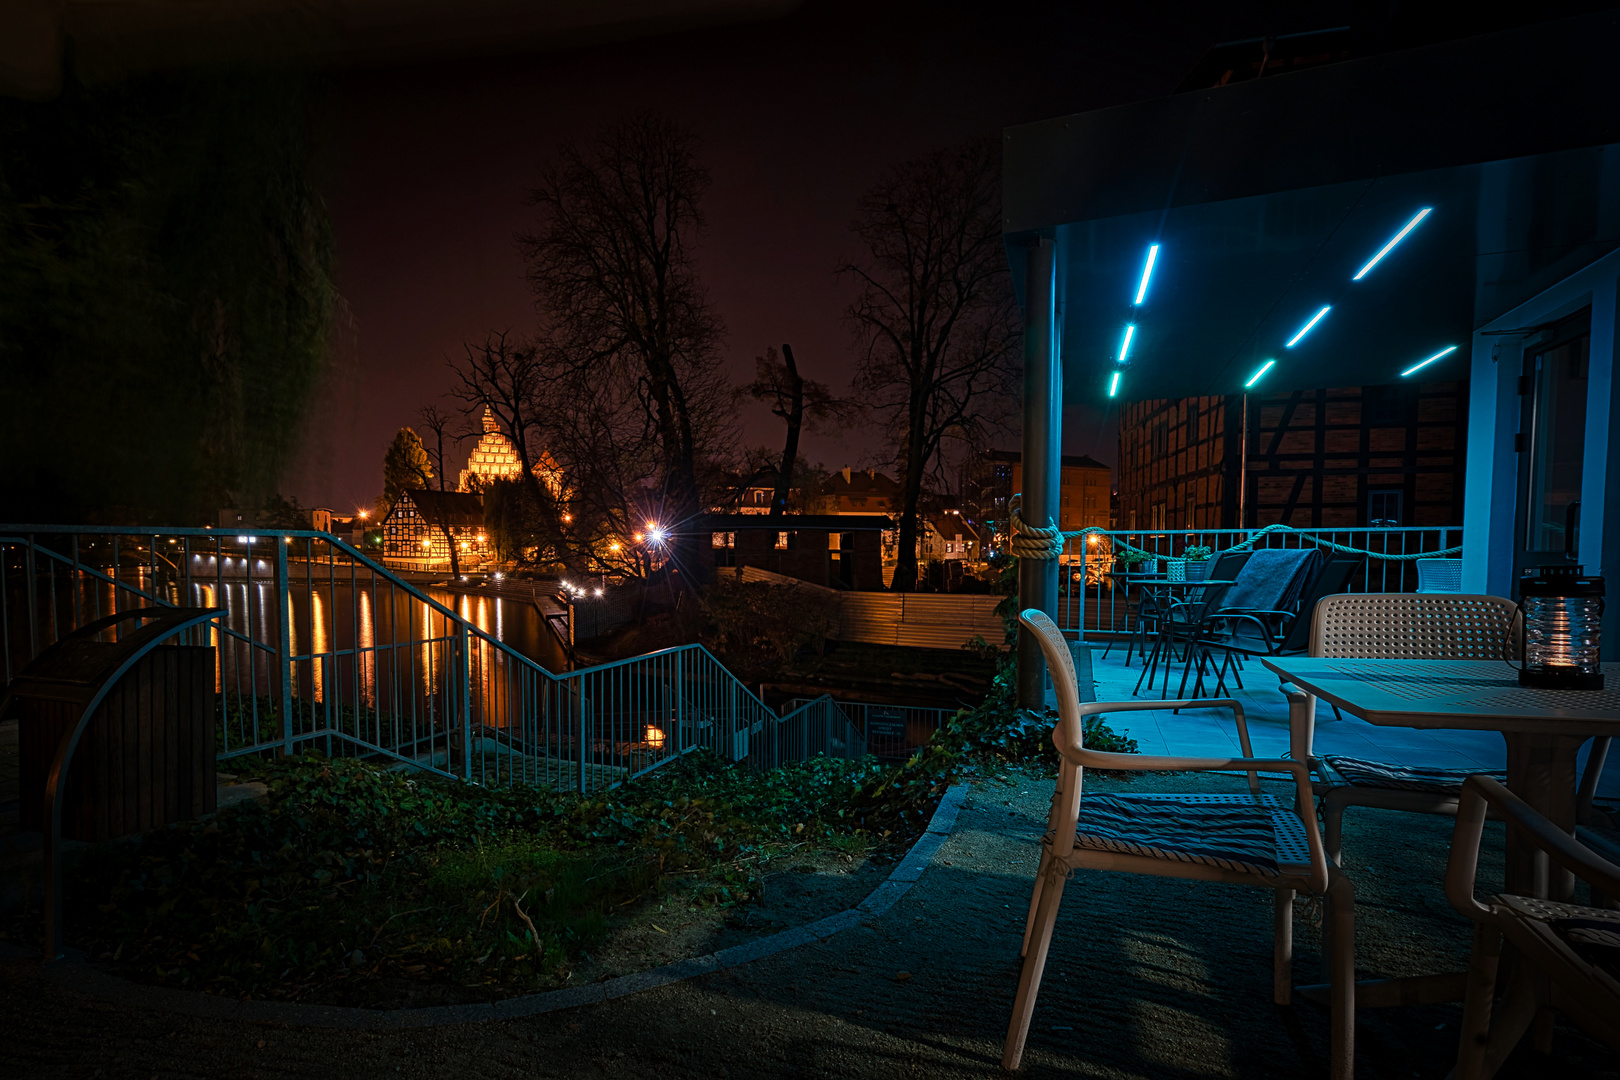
x=1043, y=425
x=283, y=641
x=466, y=705
x=1243, y=468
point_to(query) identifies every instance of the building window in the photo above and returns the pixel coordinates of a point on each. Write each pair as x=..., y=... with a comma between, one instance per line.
x=723, y=539
x=781, y=541
x=1384, y=508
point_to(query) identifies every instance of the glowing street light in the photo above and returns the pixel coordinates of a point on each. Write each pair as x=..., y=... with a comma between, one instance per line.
x=656, y=534
x=1265, y=367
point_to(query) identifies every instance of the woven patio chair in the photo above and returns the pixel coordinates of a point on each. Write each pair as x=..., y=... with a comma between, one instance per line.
x=1251, y=839
x=1397, y=626
x=1566, y=957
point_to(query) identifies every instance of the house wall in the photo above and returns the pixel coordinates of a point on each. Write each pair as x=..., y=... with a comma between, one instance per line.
x=1492, y=519
x=1315, y=458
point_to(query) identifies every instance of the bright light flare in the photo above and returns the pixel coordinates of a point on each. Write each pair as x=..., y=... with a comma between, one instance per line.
x=1447, y=351
x=1308, y=327
x=1147, y=274
x=656, y=534
x=1125, y=342
x=1397, y=238
x=1265, y=367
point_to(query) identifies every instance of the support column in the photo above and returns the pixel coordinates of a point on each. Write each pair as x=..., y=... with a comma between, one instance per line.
x=1043, y=427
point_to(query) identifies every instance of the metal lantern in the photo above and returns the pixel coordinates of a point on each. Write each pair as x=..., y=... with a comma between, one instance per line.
x=1562, y=611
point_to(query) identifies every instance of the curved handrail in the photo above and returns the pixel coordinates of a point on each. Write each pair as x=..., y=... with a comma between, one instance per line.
x=166, y=623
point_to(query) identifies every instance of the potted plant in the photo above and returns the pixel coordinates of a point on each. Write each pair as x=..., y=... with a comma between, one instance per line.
x=1197, y=557
x=1138, y=562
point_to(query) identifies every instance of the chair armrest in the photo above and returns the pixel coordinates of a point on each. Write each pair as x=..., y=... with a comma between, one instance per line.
x=1463, y=862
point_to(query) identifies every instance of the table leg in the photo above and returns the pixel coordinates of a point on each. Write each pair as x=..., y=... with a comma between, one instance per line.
x=1541, y=771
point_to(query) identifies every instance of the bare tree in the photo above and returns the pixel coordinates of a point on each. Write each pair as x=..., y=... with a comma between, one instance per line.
x=936, y=321
x=800, y=402
x=438, y=424
x=506, y=377
x=632, y=340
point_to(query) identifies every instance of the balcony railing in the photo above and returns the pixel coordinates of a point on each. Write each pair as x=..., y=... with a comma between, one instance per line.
x=1091, y=569
x=319, y=647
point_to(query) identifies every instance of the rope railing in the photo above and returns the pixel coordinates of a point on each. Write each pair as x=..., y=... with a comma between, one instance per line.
x=1038, y=542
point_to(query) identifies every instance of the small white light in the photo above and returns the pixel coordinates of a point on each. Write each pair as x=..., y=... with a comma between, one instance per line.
x=1147, y=274
x=1265, y=367
x=1385, y=250
x=1307, y=327
x=1447, y=351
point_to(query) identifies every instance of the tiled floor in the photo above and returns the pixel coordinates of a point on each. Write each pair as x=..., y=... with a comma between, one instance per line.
x=1211, y=732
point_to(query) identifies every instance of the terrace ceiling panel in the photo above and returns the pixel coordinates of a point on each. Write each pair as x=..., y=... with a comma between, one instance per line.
x=1266, y=198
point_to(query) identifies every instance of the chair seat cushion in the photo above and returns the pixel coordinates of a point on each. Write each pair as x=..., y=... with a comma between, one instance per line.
x=1591, y=934
x=1234, y=832
x=1357, y=772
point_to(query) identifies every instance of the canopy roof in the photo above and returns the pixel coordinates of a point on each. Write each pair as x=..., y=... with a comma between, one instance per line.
x=1266, y=197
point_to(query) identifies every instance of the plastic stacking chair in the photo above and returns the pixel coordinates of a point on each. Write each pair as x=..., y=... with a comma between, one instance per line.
x=1250, y=839
x=1396, y=626
x=1566, y=956
x=1439, y=575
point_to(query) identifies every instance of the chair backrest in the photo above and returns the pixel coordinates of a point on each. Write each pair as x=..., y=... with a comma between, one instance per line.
x=1228, y=565
x=1414, y=626
x=1271, y=579
x=1336, y=573
x=1439, y=575
x=1061, y=666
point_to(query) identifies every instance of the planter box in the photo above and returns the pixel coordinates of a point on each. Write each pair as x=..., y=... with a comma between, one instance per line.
x=1198, y=570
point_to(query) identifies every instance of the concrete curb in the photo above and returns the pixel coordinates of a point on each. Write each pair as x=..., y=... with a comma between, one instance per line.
x=75, y=973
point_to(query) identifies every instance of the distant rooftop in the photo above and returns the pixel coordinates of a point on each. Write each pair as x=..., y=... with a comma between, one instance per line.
x=1070, y=461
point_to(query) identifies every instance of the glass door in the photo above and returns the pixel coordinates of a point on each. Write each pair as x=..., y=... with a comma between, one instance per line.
x=1553, y=444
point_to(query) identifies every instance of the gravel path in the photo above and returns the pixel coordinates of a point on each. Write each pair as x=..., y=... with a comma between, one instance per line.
x=1149, y=978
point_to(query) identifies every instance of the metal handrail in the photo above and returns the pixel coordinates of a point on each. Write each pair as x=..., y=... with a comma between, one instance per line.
x=165, y=624
x=425, y=684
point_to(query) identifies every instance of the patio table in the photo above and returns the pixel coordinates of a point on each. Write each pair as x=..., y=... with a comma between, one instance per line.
x=1155, y=582
x=1543, y=729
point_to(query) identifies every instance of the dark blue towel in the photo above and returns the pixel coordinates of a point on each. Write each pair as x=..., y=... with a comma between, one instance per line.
x=1272, y=579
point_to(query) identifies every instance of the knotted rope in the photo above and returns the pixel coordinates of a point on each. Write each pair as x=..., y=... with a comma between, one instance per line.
x=1048, y=542
x=1034, y=541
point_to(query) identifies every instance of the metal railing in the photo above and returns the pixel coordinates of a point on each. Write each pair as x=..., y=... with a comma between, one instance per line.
x=1093, y=583
x=891, y=731
x=319, y=647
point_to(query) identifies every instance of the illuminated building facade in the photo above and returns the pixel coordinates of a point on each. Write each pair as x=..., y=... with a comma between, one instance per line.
x=414, y=532
x=495, y=458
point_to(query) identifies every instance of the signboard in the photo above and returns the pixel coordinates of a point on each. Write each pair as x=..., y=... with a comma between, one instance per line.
x=885, y=722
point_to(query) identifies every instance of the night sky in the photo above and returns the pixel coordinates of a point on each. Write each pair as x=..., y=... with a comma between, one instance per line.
x=426, y=170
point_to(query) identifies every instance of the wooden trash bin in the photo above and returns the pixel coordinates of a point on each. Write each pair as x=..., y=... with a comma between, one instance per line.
x=147, y=757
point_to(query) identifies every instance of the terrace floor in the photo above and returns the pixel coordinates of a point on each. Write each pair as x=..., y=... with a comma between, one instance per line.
x=1211, y=732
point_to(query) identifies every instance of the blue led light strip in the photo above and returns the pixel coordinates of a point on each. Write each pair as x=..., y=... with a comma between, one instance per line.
x=1447, y=351
x=1113, y=385
x=1398, y=237
x=1265, y=367
x=1147, y=274
x=1307, y=327
x=1125, y=343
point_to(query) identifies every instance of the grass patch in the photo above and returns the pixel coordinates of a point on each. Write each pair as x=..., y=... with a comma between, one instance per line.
x=356, y=884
